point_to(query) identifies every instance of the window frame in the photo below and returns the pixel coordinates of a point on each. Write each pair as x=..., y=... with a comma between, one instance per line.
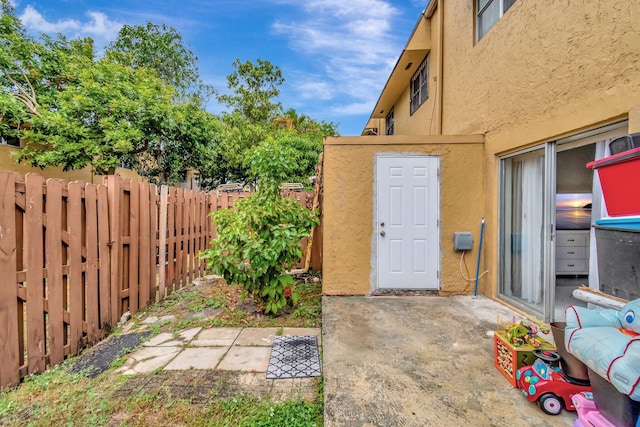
x=504, y=6
x=419, y=93
x=389, y=122
x=8, y=141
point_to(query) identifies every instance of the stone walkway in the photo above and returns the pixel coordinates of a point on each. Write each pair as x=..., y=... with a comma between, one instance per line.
x=242, y=353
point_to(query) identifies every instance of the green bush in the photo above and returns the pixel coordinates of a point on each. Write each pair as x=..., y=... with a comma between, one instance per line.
x=260, y=239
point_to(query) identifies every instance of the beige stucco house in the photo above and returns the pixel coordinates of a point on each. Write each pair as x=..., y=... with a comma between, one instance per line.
x=493, y=110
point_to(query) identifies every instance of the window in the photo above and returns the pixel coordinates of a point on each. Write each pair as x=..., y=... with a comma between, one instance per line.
x=489, y=11
x=389, y=123
x=10, y=140
x=420, y=85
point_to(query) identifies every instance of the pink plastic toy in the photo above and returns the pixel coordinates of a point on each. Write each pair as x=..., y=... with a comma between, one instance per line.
x=588, y=414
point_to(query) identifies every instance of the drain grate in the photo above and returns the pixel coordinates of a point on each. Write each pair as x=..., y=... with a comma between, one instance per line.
x=294, y=357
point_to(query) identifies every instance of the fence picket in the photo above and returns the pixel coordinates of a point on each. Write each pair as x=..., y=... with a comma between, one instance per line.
x=55, y=283
x=36, y=344
x=163, y=240
x=153, y=239
x=134, y=227
x=91, y=275
x=76, y=278
x=144, y=242
x=10, y=348
x=103, y=253
x=113, y=192
x=171, y=251
x=179, y=236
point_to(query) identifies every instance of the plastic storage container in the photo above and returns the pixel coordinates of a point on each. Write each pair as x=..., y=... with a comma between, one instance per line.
x=615, y=406
x=624, y=143
x=625, y=222
x=619, y=176
x=618, y=261
x=571, y=366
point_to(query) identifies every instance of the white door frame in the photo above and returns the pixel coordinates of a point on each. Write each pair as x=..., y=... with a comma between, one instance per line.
x=375, y=270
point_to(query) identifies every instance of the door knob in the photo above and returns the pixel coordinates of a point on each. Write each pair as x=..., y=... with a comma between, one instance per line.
x=382, y=224
x=382, y=233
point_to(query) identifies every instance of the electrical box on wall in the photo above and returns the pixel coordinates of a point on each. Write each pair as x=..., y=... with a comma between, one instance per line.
x=462, y=241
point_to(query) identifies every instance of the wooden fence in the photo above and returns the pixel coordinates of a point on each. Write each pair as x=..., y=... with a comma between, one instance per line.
x=75, y=256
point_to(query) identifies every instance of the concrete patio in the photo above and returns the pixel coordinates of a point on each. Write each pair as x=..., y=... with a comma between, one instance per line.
x=419, y=361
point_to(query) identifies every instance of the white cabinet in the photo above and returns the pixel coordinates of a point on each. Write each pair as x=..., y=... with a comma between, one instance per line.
x=572, y=251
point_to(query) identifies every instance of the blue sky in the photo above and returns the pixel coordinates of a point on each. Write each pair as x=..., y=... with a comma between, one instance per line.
x=335, y=55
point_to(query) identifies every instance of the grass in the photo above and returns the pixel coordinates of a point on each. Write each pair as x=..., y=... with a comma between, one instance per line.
x=60, y=398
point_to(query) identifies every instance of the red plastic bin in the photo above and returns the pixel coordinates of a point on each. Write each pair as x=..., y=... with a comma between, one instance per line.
x=620, y=181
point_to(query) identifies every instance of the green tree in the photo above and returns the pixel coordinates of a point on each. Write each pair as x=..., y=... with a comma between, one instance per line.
x=254, y=87
x=254, y=118
x=160, y=47
x=104, y=113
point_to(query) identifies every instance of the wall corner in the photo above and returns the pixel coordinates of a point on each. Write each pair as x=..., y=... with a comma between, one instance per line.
x=634, y=119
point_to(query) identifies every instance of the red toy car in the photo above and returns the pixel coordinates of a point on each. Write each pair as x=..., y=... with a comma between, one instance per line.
x=547, y=385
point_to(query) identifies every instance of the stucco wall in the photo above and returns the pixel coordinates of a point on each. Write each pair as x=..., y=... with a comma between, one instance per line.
x=349, y=205
x=547, y=67
x=8, y=163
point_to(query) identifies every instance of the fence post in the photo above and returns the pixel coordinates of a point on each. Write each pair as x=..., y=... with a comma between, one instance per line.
x=9, y=344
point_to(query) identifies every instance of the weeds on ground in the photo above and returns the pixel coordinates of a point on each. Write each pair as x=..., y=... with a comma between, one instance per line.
x=216, y=304
x=60, y=398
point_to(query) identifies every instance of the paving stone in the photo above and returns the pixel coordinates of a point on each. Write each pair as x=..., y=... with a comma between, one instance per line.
x=251, y=359
x=216, y=337
x=197, y=358
x=188, y=334
x=159, y=339
x=154, y=319
x=150, y=352
x=256, y=336
x=167, y=339
x=151, y=358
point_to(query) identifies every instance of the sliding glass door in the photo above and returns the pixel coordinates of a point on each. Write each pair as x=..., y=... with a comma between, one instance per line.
x=526, y=251
x=528, y=225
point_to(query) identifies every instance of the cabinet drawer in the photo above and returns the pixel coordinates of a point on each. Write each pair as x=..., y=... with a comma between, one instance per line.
x=572, y=252
x=571, y=266
x=572, y=239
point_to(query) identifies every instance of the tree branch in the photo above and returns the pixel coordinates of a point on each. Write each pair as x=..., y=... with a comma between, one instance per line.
x=28, y=99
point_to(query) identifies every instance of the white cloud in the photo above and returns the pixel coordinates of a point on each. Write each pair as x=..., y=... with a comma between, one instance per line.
x=315, y=89
x=98, y=25
x=354, y=42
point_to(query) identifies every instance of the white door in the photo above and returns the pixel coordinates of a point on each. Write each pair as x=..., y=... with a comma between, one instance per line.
x=407, y=226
